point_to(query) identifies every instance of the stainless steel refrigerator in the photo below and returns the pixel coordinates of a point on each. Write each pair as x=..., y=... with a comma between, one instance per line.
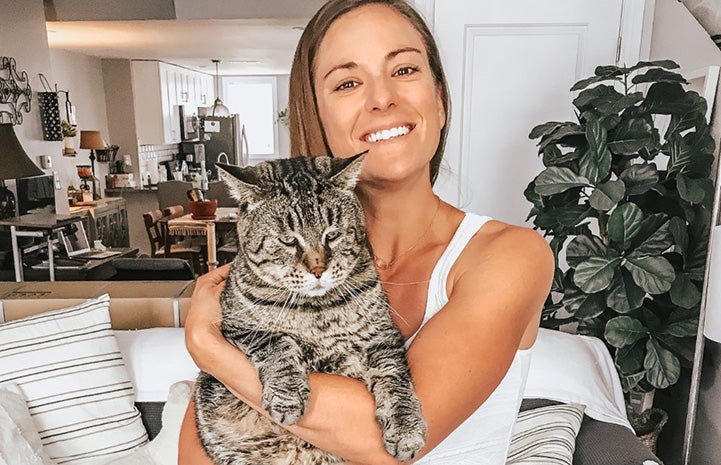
x=221, y=135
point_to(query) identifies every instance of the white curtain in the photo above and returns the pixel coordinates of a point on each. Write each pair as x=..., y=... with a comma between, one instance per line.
x=708, y=13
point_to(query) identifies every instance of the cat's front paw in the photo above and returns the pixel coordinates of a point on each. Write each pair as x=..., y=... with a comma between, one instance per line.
x=404, y=435
x=287, y=404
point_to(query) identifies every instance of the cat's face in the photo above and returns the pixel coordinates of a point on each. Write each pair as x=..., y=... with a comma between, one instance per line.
x=301, y=227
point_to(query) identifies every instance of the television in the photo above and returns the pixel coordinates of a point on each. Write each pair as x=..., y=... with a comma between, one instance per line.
x=35, y=193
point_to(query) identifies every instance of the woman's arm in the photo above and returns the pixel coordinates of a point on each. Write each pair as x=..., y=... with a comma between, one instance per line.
x=457, y=359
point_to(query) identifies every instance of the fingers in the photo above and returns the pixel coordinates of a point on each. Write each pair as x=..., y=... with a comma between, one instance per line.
x=216, y=276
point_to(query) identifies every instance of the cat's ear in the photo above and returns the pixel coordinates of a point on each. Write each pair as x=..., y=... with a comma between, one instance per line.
x=344, y=172
x=242, y=184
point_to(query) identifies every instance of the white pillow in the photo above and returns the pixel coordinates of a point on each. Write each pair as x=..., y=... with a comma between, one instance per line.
x=19, y=439
x=545, y=435
x=576, y=369
x=156, y=358
x=71, y=373
x=163, y=449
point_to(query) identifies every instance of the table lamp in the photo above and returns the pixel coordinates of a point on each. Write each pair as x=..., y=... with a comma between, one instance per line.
x=92, y=140
x=15, y=164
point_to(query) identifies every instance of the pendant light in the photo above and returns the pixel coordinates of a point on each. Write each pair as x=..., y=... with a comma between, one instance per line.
x=218, y=109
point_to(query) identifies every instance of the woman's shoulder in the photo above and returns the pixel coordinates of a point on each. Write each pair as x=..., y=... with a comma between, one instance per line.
x=505, y=251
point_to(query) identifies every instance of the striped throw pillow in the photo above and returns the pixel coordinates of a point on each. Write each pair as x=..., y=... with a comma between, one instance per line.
x=546, y=435
x=77, y=389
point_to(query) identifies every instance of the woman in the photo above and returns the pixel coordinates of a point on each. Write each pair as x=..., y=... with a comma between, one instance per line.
x=467, y=292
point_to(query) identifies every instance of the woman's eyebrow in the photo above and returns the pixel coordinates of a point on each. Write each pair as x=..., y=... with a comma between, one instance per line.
x=389, y=56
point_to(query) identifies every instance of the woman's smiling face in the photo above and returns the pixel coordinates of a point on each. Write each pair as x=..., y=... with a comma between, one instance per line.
x=375, y=91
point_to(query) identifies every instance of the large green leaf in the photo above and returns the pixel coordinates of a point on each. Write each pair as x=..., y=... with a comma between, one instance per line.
x=605, y=196
x=552, y=155
x=601, y=98
x=624, y=223
x=582, y=305
x=631, y=136
x=683, y=323
x=623, y=331
x=545, y=129
x=639, y=178
x=623, y=295
x=595, y=274
x=657, y=243
x=664, y=98
x=668, y=64
x=684, y=293
x=690, y=189
x=654, y=275
x=583, y=83
x=569, y=134
x=629, y=359
x=595, y=164
x=658, y=75
x=582, y=247
x=677, y=226
x=562, y=219
x=691, y=154
x=662, y=367
x=556, y=179
x=629, y=382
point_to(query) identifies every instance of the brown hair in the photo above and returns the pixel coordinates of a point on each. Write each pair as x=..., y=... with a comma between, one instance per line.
x=306, y=132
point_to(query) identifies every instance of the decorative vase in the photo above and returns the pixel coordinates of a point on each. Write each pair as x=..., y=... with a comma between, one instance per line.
x=69, y=147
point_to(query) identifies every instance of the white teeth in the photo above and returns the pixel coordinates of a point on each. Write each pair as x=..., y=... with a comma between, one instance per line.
x=386, y=134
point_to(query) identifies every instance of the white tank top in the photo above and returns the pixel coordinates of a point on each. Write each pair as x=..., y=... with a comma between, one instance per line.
x=484, y=437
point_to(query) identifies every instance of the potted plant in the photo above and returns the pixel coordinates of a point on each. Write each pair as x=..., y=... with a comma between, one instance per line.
x=625, y=198
x=69, y=131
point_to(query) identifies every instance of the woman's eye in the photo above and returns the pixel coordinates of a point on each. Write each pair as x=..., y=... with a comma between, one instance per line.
x=406, y=70
x=288, y=240
x=347, y=85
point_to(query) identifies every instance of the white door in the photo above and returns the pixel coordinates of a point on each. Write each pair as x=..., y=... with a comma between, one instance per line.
x=510, y=65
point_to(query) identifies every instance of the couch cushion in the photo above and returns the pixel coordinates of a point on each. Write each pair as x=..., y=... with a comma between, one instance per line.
x=78, y=391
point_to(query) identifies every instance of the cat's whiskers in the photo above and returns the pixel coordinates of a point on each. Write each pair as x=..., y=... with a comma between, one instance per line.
x=392, y=310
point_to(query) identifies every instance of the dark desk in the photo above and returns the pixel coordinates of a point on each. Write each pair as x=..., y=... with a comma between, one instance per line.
x=94, y=270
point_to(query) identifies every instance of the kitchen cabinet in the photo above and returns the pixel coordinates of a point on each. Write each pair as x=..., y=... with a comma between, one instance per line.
x=158, y=89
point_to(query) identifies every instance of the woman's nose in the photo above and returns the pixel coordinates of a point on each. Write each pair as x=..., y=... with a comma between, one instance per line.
x=381, y=94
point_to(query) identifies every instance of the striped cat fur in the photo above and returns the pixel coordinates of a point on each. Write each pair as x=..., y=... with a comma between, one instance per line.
x=303, y=296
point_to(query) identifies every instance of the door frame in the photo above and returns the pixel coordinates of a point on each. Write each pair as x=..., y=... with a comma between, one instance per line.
x=634, y=41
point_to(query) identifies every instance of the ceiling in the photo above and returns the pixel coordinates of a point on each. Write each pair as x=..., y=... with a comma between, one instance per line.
x=245, y=46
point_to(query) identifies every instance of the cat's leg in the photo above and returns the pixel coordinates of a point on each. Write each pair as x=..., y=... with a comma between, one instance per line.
x=284, y=376
x=398, y=410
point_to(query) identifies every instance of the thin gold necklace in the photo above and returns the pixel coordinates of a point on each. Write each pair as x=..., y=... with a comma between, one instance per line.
x=388, y=264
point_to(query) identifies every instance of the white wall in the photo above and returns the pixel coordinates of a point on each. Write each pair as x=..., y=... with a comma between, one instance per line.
x=678, y=36
x=82, y=76
x=23, y=36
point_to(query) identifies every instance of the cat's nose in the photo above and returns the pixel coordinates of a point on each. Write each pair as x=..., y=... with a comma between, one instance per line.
x=318, y=271
x=315, y=262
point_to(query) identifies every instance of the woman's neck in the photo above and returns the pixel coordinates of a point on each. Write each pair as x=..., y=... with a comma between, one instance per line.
x=400, y=222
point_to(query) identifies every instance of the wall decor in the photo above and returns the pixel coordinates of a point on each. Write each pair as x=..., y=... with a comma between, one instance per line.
x=49, y=111
x=15, y=92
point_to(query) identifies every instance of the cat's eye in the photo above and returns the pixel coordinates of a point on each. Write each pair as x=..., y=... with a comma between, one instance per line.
x=290, y=241
x=332, y=235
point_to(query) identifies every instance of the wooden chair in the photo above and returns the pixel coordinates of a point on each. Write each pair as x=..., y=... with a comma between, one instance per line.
x=157, y=237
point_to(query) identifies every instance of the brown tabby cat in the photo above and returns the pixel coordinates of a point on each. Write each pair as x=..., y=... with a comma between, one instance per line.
x=302, y=296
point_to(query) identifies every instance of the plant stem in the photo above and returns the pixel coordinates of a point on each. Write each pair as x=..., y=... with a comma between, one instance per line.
x=603, y=228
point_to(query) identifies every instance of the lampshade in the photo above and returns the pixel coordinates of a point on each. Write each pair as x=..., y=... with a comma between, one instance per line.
x=91, y=140
x=218, y=109
x=712, y=322
x=15, y=162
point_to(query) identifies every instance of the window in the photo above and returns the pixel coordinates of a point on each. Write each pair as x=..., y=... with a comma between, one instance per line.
x=253, y=98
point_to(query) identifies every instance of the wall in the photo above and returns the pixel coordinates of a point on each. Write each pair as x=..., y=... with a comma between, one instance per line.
x=81, y=75
x=23, y=36
x=678, y=36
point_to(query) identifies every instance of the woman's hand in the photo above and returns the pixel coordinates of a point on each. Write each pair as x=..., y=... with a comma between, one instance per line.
x=202, y=327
